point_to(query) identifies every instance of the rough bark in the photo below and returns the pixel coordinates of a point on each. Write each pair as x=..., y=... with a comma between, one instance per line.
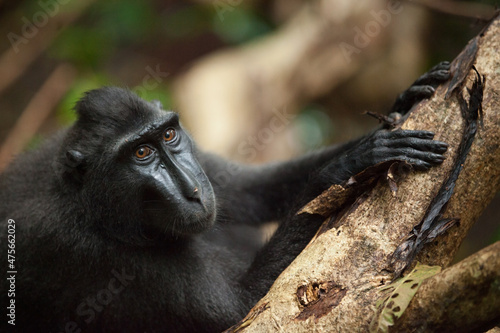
x=332, y=285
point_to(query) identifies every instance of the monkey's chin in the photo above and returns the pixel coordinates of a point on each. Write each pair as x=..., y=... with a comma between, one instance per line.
x=195, y=225
x=165, y=224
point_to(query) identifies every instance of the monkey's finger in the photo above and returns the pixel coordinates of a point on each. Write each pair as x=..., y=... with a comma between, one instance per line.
x=420, y=144
x=425, y=156
x=399, y=134
x=418, y=92
x=435, y=76
x=441, y=65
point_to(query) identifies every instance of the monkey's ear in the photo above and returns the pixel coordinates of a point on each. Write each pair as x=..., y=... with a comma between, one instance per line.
x=157, y=103
x=75, y=164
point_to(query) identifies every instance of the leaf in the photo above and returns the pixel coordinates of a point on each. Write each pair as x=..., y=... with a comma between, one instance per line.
x=397, y=295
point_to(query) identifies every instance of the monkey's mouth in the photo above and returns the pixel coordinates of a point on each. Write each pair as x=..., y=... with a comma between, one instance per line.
x=178, y=216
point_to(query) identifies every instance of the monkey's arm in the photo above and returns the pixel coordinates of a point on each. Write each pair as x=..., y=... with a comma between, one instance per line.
x=249, y=194
x=256, y=194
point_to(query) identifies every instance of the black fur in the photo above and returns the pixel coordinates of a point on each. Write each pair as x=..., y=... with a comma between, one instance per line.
x=101, y=246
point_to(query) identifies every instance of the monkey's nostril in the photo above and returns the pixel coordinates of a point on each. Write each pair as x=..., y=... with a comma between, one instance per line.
x=195, y=195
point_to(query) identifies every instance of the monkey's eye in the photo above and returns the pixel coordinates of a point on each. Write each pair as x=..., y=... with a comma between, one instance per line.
x=169, y=135
x=143, y=152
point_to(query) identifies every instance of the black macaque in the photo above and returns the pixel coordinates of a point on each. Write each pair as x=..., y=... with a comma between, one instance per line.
x=118, y=224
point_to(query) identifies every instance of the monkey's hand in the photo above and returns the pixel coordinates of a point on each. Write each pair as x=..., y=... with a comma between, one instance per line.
x=423, y=87
x=414, y=147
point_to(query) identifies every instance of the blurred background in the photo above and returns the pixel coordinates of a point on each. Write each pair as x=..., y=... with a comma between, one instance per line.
x=253, y=80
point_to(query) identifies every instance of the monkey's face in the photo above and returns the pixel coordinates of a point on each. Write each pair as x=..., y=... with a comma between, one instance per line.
x=175, y=194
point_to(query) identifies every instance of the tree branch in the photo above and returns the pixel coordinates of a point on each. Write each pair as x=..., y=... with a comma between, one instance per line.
x=462, y=298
